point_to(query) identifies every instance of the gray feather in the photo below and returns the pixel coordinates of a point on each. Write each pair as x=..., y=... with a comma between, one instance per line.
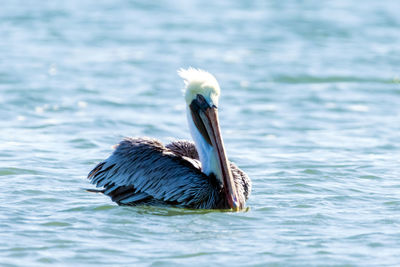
x=142, y=170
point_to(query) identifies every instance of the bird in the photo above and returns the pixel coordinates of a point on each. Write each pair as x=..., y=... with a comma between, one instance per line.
x=195, y=175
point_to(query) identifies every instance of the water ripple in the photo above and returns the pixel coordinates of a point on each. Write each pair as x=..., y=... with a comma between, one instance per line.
x=309, y=109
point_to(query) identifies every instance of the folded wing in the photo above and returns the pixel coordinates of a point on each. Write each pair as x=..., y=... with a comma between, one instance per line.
x=142, y=170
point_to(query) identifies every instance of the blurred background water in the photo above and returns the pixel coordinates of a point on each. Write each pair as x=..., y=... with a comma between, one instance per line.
x=310, y=109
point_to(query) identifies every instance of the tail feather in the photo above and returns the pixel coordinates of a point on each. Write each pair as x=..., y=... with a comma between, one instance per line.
x=95, y=190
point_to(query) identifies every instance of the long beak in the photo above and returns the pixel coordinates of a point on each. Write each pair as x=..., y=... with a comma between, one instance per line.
x=210, y=130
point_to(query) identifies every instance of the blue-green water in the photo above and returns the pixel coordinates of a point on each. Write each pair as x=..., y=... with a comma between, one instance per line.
x=310, y=109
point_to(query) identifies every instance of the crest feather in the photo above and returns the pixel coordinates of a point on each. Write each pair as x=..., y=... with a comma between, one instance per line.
x=199, y=81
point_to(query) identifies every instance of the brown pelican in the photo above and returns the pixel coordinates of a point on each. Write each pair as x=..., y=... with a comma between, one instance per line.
x=194, y=175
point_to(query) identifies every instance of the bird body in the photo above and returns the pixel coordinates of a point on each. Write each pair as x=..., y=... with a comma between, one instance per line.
x=193, y=175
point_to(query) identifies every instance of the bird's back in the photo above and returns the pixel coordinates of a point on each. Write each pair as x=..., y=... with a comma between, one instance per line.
x=143, y=171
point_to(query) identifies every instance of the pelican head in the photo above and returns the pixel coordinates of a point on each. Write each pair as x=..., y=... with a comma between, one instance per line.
x=201, y=94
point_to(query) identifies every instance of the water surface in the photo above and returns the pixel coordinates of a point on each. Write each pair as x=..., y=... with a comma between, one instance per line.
x=310, y=109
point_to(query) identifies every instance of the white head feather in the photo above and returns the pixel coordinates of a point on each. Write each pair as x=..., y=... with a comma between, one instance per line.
x=201, y=82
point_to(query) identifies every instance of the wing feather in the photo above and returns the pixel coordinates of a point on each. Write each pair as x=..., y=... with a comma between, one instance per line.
x=141, y=169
